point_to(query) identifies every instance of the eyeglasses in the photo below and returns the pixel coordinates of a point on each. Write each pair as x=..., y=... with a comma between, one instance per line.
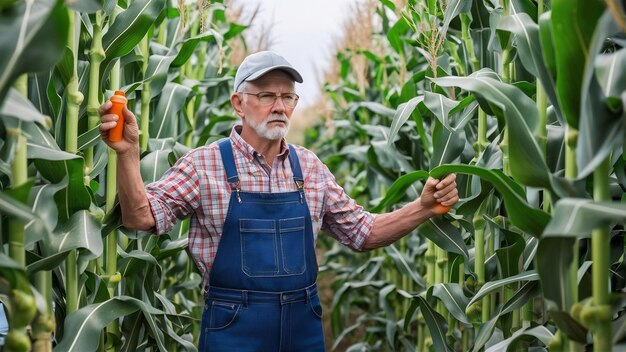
x=268, y=98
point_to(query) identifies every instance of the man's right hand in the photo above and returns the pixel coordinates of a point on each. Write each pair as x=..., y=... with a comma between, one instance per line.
x=130, y=139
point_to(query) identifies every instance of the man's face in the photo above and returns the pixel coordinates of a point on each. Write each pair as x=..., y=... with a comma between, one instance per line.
x=268, y=121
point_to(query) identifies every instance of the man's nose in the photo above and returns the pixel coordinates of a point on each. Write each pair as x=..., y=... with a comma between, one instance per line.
x=279, y=105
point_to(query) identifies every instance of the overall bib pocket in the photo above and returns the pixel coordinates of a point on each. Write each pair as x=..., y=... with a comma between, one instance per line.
x=272, y=247
x=292, y=245
x=259, y=254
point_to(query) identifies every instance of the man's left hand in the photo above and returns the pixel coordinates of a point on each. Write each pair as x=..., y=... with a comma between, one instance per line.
x=439, y=195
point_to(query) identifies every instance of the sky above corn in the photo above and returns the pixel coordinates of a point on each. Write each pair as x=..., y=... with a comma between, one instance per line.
x=304, y=32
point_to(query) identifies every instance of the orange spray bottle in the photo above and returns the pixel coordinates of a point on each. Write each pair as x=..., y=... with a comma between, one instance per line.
x=119, y=101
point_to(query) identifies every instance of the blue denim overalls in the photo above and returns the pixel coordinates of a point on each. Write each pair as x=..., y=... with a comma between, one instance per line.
x=262, y=294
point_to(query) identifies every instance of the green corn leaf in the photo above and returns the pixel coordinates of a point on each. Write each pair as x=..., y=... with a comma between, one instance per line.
x=403, y=264
x=345, y=332
x=480, y=38
x=499, y=40
x=601, y=129
x=521, y=116
x=554, y=256
x=397, y=191
x=576, y=217
x=539, y=332
x=171, y=248
x=16, y=209
x=17, y=107
x=396, y=33
x=555, y=148
x=453, y=9
x=374, y=107
x=88, y=322
x=524, y=6
x=37, y=93
x=547, y=42
x=479, y=16
x=89, y=138
x=41, y=200
x=164, y=122
x=33, y=37
x=575, y=21
x=569, y=326
x=447, y=146
x=129, y=27
x=156, y=75
x=611, y=72
x=463, y=113
x=385, y=304
x=188, y=46
x=374, y=161
x=440, y=106
x=234, y=29
x=341, y=292
x=484, y=334
x=101, y=159
x=58, y=166
x=453, y=298
x=401, y=116
x=158, y=67
x=530, y=251
x=445, y=236
x=436, y=325
x=82, y=230
x=12, y=272
x=489, y=287
x=134, y=262
x=154, y=165
x=86, y=6
x=521, y=214
x=133, y=323
x=527, y=292
x=510, y=250
x=531, y=55
x=50, y=262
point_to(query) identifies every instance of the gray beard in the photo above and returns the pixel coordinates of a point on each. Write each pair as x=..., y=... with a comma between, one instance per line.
x=273, y=133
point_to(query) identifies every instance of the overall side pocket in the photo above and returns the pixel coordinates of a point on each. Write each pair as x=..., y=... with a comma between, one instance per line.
x=221, y=315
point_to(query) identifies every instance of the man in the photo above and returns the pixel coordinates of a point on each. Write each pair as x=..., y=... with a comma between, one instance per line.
x=256, y=205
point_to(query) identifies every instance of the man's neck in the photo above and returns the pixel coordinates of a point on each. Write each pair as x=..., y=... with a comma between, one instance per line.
x=266, y=147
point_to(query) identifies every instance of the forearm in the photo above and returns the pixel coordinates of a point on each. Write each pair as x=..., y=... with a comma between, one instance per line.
x=136, y=212
x=390, y=227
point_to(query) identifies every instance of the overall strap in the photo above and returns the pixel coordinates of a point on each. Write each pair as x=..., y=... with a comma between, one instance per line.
x=295, y=167
x=226, y=149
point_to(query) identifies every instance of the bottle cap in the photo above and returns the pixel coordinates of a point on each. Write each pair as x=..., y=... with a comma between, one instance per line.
x=120, y=92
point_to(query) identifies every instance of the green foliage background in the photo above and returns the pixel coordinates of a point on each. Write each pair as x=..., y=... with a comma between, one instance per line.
x=523, y=100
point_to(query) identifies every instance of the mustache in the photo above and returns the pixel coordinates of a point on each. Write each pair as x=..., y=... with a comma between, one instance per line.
x=277, y=117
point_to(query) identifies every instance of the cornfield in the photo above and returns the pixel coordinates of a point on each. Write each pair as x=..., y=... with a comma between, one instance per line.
x=523, y=99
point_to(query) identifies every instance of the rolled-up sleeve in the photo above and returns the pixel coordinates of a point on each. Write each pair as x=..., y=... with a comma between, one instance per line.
x=176, y=195
x=344, y=219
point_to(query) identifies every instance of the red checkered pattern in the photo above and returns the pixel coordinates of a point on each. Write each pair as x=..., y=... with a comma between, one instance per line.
x=196, y=186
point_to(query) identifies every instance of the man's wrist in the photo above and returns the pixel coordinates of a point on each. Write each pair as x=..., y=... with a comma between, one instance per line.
x=129, y=155
x=423, y=211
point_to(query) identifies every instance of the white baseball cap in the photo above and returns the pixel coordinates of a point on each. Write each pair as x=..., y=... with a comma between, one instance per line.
x=256, y=65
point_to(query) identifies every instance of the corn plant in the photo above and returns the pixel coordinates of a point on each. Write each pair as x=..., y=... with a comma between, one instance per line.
x=523, y=100
x=71, y=277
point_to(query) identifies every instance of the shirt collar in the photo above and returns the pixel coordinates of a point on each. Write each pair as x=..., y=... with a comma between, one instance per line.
x=247, y=150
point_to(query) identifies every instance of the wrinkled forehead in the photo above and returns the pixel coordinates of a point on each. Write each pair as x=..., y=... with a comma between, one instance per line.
x=274, y=79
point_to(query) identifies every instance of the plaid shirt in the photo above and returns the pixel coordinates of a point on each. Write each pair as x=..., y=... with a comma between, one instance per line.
x=196, y=186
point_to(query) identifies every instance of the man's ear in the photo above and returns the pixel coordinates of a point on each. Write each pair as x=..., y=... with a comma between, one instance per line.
x=236, y=101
